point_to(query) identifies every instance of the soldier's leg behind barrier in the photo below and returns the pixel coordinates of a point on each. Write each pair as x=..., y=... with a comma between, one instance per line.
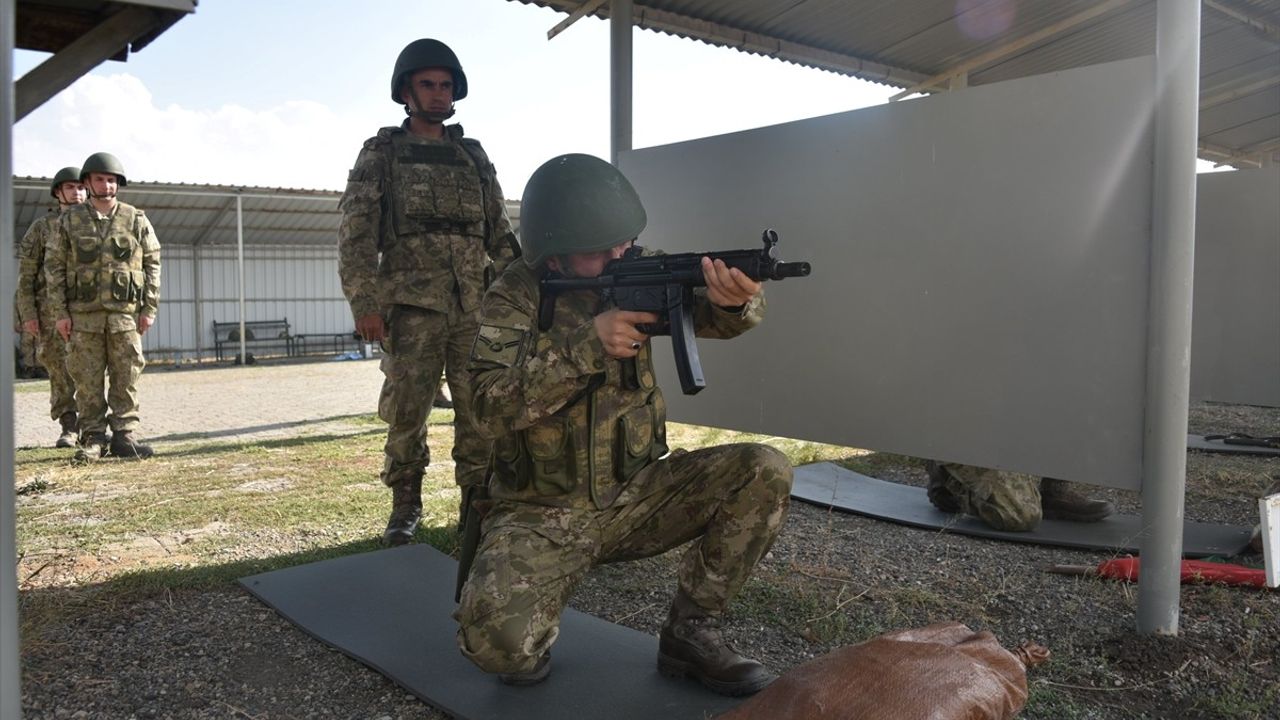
x=1003, y=500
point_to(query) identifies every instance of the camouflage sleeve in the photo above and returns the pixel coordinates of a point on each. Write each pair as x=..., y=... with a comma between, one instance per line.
x=712, y=321
x=501, y=243
x=520, y=375
x=150, y=266
x=55, y=268
x=30, y=258
x=360, y=231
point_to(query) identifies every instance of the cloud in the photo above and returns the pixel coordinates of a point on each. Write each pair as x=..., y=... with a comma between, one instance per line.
x=291, y=144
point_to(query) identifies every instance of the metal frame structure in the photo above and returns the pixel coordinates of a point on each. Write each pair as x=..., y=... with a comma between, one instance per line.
x=1233, y=122
x=932, y=46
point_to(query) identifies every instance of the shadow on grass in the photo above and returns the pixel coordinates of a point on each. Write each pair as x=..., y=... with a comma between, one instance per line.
x=180, y=437
x=272, y=444
x=58, y=604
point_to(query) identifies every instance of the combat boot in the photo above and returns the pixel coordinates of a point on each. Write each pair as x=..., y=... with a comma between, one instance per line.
x=406, y=509
x=1059, y=502
x=937, y=491
x=92, y=445
x=533, y=677
x=124, y=445
x=690, y=645
x=70, y=425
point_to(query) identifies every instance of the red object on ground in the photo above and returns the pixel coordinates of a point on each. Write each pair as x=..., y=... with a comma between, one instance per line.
x=1193, y=571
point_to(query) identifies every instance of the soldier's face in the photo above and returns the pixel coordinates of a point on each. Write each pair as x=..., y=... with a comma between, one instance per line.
x=103, y=185
x=71, y=193
x=429, y=90
x=587, y=265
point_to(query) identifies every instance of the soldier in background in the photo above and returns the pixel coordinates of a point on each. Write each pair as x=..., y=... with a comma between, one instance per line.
x=1007, y=500
x=35, y=313
x=582, y=475
x=424, y=227
x=103, y=274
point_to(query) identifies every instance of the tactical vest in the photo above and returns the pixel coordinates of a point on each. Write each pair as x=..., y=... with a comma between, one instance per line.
x=436, y=188
x=104, y=261
x=594, y=446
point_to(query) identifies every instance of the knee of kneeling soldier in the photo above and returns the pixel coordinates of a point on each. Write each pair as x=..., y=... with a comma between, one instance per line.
x=498, y=647
x=774, y=469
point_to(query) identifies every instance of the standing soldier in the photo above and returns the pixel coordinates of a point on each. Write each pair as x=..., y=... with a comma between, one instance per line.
x=35, y=312
x=424, y=226
x=103, y=270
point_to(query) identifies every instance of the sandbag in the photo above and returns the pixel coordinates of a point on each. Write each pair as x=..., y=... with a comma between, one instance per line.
x=943, y=671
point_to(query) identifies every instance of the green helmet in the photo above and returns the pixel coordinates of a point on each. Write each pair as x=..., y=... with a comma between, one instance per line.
x=577, y=204
x=427, y=53
x=103, y=162
x=66, y=174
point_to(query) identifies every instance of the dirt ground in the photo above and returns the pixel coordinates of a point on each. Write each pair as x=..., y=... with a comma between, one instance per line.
x=95, y=648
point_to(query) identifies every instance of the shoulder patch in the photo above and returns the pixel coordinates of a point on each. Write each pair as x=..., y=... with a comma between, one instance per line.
x=503, y=346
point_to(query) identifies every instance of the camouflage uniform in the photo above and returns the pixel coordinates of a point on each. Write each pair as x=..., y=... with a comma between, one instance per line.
x=580, y=476
x=424, y=224
x=1003, y=500
x=102, y=272
x=31, y=304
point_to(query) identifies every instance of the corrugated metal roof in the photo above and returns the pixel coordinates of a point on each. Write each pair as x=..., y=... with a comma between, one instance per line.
x=206, y=214
x=903, y=42
x=188, y=214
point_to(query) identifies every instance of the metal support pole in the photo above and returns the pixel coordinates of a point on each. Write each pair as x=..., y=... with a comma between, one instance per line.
x=619, y=77
x=10, y=674
x=244, y=358
x=1173, y=210
x=197, y=291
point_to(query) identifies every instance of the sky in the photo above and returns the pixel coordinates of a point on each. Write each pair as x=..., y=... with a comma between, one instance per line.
x=283, y=93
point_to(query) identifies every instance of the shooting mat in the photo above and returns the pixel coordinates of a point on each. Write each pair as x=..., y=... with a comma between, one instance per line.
x=830, y=485
x=391, y=610
x=1198, y=442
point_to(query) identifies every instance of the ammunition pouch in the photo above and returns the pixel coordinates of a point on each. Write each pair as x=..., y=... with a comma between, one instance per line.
x=121, y=248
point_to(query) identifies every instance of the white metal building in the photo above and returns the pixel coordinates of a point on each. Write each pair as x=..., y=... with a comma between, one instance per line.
x=290, y=263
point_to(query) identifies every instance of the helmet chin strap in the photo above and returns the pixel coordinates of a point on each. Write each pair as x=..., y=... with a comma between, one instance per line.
x=431, y=117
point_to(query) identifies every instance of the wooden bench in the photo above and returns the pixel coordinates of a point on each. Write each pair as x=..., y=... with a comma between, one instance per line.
x=269, y=335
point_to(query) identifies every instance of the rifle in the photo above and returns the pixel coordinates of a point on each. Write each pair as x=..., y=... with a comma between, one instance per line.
x=664, y=284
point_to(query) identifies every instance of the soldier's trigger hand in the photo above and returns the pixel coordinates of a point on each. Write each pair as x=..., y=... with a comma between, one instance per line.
x=64, y=328
x=618, y=333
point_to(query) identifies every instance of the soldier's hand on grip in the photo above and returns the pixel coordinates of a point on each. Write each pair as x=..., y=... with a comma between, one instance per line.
x=64, y=328
x=727, y=287
x=618, y=333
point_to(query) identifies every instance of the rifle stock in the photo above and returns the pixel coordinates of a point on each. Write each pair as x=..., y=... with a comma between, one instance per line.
x=664, y=285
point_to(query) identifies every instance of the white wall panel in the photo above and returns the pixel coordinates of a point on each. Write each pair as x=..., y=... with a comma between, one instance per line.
x=1235, y=333
x=980, y=270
